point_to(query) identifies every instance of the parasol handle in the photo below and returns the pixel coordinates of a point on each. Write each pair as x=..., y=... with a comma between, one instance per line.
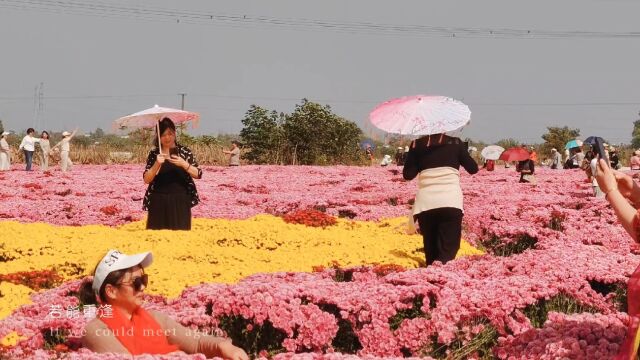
x=159, y=143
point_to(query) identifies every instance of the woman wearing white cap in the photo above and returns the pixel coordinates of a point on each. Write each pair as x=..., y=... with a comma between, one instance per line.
x=119, y=281
x=65, y=161
x=5, y=152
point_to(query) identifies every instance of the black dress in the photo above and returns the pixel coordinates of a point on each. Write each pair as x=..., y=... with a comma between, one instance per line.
x=171, y=194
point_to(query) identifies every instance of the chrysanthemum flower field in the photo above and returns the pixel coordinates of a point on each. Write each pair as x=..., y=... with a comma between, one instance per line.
x=315, y=262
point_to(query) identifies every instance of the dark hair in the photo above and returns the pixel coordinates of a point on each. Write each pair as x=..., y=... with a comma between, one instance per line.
x=589, y=155
x=45, y=132
x=88, y=296
x=30, y=130
x=164, y=124
x=436, y=140
x=236, y=142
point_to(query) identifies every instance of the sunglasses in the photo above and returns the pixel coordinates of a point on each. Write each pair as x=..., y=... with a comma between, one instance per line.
x=138, y=282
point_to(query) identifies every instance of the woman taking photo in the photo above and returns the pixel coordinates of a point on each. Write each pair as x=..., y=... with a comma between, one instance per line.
x=171, y=192
x=119, y=281
x=436, y=160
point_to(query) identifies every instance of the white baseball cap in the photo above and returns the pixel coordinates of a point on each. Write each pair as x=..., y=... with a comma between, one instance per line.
x=115, y=260
x=66, y=133
x=6, y=133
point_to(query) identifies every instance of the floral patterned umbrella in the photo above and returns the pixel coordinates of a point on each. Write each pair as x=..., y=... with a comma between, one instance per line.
x=151, y=117
x=420, y=115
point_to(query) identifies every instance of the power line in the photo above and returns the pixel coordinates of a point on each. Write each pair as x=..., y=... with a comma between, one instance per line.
x=79, y=97
x=354, y=101
x=102, y=9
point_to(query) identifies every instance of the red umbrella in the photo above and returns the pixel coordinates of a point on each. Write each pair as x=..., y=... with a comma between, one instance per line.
x=515, y=154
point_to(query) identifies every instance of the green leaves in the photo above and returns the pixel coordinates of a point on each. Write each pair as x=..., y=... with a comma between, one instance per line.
x=311, y=135
x=558, y=137
x=635, y=136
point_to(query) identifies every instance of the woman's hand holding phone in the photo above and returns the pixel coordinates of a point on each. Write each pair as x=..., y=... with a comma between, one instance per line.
x=599, y=148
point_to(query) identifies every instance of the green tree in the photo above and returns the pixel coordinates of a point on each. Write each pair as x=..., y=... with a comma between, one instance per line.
x=557, y=137
x=143, y=136
x=508, y=143
x=97, y=134
x=315, y=135
x=262, y=135
x=635, y=136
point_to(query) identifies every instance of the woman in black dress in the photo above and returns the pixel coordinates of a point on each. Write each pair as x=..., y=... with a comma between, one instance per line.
x=172, y=191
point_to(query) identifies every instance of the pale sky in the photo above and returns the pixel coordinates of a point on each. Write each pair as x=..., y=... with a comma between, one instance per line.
x=101, y=61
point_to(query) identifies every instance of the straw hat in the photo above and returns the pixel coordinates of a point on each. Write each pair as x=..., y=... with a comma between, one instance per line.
x=66, y=133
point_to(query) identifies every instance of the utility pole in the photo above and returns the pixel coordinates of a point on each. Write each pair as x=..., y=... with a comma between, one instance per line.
x=183, y=95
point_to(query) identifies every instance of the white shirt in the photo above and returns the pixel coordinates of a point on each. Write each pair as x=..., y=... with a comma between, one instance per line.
x=4, y=145
x=437, y=188
x=235, y=157
x=28, y=143
x=64, y=144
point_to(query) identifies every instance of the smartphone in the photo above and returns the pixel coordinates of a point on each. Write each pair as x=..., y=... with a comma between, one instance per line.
x=173, y=151
x=599, y=149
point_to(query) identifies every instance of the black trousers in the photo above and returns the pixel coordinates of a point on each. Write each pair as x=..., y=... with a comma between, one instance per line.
x=170, y=211
x=441, y=231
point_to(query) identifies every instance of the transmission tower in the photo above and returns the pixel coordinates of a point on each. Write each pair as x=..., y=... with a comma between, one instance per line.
x=38, y=107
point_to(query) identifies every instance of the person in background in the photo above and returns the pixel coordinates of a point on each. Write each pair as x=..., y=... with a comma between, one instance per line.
x=386, y=160
x=613, y=158
x=65, y=147
x=368, y=152
x=586, y=165
x=119, y=281
x=634, y=162
x=45, y=146
x=171, y=192
x=575, y=160
x=406, y=154
x=5, y=152
x=579, y=156
x=533, y=155
x=526, y=168
x=234, y=154
x=556, y=159
x=436, y=160
x=399, y=157
x=490, y=165
x=28, y=147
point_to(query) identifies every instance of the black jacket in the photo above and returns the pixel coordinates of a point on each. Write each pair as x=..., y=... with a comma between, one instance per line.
x=425, y=153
